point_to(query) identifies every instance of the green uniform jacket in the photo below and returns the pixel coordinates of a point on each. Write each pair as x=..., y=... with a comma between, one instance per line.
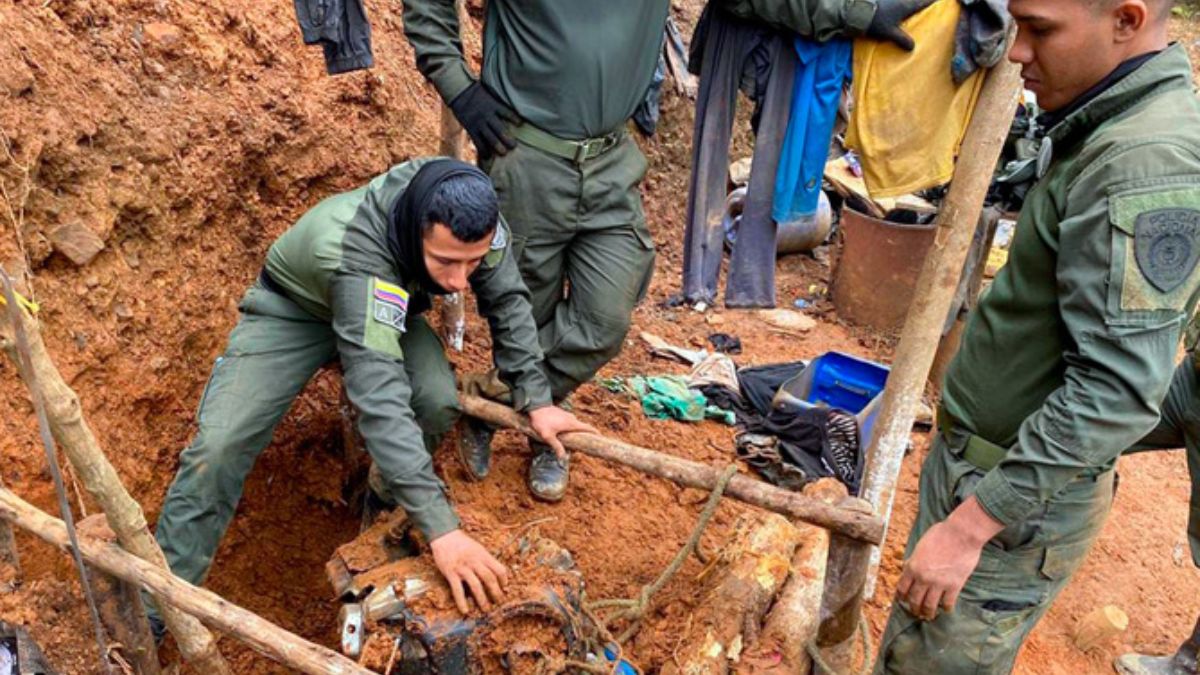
x=335, y=263
x=580, y=68
x=1068, y=357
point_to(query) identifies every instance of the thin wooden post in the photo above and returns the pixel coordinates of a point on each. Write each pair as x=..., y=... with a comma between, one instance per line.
x=453, y=143
x=100, y=479
x=10, y=561
x=261, y=635
x=854, y=524
x=935, y=289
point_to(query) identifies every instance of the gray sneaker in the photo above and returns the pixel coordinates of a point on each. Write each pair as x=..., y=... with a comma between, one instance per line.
x=547, y=475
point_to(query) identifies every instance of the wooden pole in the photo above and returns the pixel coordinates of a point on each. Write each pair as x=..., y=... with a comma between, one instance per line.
x=935, y=288
x=10, y=561
x=453, y=143
x=795, y=618
x=1099, y=626
x=263, y=636
x=738, y=595
x=100, y=479
x=856, y=525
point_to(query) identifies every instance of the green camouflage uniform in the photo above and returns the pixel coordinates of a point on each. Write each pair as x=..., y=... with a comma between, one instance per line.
x=577, y=70
x=1065, y=362
x=342, y=299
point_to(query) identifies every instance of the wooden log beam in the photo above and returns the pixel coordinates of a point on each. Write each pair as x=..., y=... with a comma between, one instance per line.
x=124, y=514
x=261, y=635
x=855, y=525
x=729, y=617
x=796, y=615
x=795, y=619
x=956, y=222
x=10, y=561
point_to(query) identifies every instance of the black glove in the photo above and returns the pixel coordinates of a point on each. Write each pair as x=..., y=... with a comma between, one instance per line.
x=889, y=14
x=485, y=119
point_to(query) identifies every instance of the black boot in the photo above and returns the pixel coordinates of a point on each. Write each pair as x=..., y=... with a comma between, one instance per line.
x=1183, y=662
x=475, y=447
x=547, y=475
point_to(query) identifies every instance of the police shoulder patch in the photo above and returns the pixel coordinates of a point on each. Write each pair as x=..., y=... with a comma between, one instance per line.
x=1167, y=246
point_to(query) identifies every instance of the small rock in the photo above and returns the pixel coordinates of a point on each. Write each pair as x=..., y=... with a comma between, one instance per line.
x=788, y=319
x=159, y=364
x=1178, y=555
x=92, y=281
x=122, y=311
x=739, y=171
x=15, y=76
x=161, y=35
x=153, y=67
x=79, y=244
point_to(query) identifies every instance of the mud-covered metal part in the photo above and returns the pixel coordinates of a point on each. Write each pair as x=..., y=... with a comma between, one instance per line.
x=404, y=602
x=382, y=604
x=352, y=629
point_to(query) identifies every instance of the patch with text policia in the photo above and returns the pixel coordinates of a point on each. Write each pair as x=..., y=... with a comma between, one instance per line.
x=1167, y=246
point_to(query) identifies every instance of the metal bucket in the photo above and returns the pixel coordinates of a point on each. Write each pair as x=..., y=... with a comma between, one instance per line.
x=796, y=236
x=876, y=275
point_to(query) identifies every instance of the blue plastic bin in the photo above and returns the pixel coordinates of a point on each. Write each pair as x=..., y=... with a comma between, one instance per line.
x=839, y=381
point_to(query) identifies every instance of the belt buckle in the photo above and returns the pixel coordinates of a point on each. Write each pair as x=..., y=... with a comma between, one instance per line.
x=581, y=151
x=594, y=147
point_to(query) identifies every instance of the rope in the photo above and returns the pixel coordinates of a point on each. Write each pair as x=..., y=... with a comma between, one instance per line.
x=822, y=667
x=634, y=609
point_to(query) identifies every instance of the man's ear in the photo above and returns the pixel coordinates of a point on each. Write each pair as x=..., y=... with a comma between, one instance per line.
x=1129, y=17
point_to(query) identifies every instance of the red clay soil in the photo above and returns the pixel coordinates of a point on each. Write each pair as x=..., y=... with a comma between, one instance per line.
x=187, y=137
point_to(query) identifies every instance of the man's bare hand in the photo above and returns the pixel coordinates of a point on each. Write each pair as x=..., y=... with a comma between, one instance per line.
x=550, y=421
x=944, y=559
x=463, y=561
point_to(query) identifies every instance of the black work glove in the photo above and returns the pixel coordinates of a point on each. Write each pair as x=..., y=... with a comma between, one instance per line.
x=889, y=14
x=485, y=119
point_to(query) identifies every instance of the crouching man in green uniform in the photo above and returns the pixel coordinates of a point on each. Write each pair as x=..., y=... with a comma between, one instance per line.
x=559, y=81
x=1067, y=359
x=349, y=282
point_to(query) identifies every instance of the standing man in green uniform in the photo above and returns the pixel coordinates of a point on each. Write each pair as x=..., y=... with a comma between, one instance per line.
x=1068, y=357
x=349, y=281
x=560, y=80
x=1178, y=428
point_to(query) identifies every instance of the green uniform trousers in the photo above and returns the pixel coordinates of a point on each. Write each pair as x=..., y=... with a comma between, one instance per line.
x=1019, y=574
x=273, y=351
x=1179, y=427
x=580, y=237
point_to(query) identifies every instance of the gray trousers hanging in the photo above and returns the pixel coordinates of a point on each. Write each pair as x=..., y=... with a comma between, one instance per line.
x=736, y=53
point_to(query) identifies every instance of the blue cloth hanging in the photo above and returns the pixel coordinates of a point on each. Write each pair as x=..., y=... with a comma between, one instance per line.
x=823, y=68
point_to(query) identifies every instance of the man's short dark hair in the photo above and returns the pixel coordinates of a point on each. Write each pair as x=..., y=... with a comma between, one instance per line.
x=1161, y=9
x=466, y=204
